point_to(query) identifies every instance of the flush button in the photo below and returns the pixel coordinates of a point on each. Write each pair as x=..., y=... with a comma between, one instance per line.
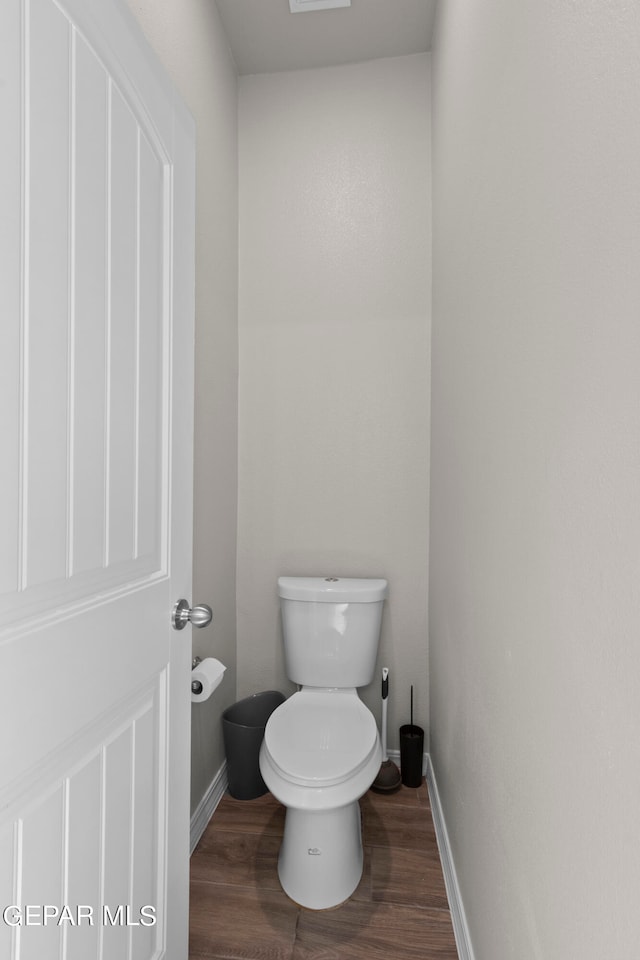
x=331, y=579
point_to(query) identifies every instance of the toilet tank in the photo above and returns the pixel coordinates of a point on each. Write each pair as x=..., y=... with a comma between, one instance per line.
x=331, y=629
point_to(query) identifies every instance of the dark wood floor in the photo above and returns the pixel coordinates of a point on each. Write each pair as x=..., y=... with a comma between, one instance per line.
x=400, y=909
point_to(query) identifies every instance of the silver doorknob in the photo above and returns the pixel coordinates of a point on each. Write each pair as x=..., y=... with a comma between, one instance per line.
x=182, y=614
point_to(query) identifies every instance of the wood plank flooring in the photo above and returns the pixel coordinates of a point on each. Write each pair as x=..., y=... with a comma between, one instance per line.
x=399, y=910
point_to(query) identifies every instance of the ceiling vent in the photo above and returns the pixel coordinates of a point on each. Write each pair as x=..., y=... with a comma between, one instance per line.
x=303, y=6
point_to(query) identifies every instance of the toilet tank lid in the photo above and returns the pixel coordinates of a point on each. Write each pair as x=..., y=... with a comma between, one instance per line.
x=332, y=589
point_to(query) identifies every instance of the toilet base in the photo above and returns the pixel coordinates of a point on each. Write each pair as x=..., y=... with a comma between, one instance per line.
x=320, y=862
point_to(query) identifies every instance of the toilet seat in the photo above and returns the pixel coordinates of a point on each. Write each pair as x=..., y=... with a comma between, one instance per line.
x=321, y=738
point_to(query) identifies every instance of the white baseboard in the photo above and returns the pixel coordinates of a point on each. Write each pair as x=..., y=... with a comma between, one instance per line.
x=205, y=809
x=456, y=906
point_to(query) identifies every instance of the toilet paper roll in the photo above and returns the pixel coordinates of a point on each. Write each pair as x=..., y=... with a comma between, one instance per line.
x=209, y=674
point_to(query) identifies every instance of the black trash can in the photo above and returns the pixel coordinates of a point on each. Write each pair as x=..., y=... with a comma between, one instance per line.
x=243, y=731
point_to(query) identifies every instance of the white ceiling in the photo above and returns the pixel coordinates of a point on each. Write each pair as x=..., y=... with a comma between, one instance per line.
x=265, y=37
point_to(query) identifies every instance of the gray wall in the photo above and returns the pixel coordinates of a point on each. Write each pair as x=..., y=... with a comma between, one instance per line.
x=188, y=37
x=334, y=353
x=535, y=506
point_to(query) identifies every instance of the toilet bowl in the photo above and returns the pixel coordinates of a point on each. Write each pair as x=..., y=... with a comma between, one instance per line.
x=321, y=752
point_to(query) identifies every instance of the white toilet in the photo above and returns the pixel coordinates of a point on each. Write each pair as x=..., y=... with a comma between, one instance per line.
x=321, y=750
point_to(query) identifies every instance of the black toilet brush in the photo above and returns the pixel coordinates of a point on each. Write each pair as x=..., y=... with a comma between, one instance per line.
x=388, y=778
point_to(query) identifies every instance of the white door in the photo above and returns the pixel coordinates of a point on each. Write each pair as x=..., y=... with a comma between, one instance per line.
x=96, y=395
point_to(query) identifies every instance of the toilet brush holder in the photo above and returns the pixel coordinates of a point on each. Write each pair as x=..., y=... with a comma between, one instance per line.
x=411, y=749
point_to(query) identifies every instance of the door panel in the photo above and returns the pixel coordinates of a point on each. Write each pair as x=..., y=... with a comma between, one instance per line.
x=98, y=810
x=88, y=455
x=10, y=293
x=46, y=295
x=95, y=487
x=96, y=235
